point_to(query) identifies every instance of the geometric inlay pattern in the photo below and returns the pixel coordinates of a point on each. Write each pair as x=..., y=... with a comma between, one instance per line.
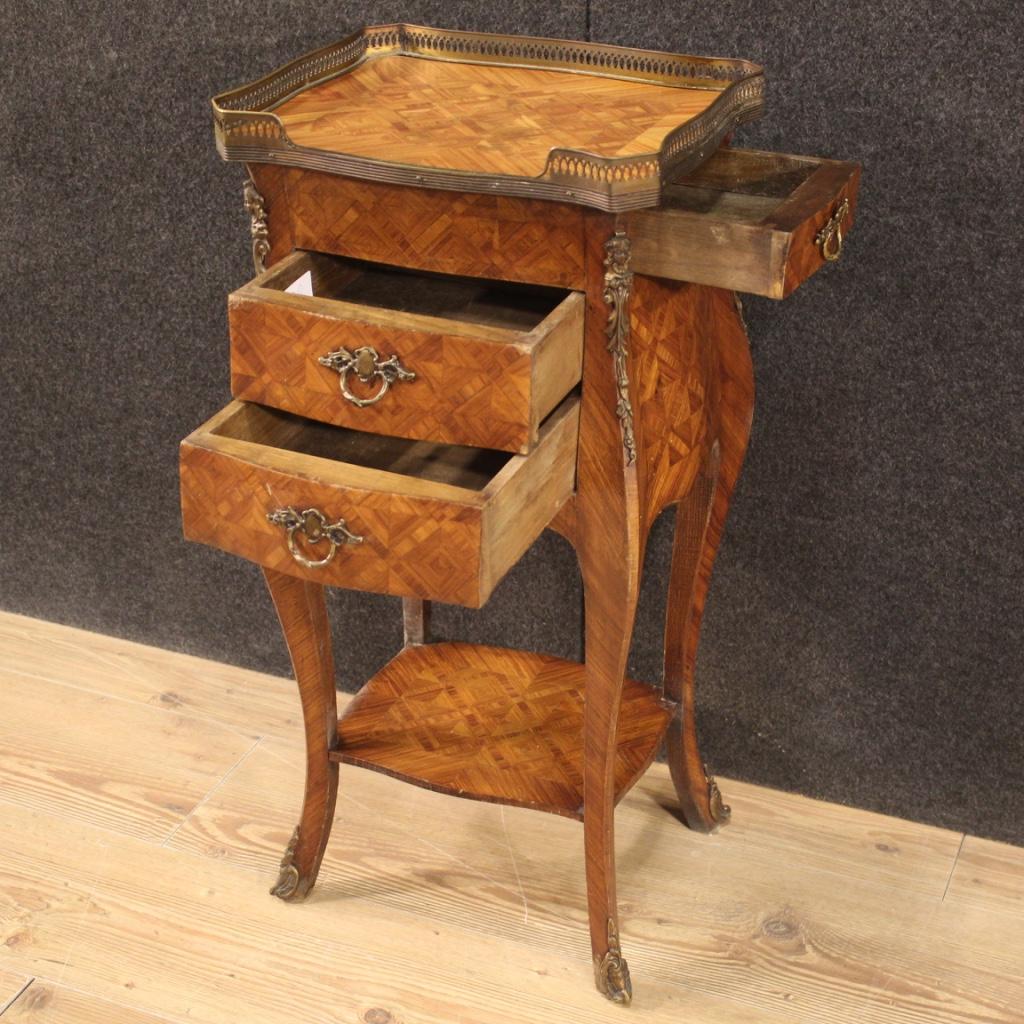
x=492, y=724
x=501, y=237
x=495, y=120
x=676, y=369
x=467, y=391
x=412, y=546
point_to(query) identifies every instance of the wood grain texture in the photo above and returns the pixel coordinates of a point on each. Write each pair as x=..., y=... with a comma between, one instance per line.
x=47, y=1003
x=500, y=237
x=745, y=220
x=475, y=384
x=608, y=546
x=695, y=391
x=125, y=671
x=106, y=774
x=491, y=724
x=472, y=117
x=11, y=987
x=302, y=610
x=801, y=911
x=422, y=538
x=988, y=875
x=112, y=916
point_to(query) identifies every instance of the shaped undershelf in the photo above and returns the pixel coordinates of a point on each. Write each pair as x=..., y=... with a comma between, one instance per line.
x=491, y=724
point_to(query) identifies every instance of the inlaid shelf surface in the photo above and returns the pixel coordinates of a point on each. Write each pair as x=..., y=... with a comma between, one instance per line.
x=492, y=724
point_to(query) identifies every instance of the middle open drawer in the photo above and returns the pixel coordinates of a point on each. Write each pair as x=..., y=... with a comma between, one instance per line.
x=455, y=360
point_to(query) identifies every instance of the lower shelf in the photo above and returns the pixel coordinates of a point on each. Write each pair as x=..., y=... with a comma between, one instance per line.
x=491, y=724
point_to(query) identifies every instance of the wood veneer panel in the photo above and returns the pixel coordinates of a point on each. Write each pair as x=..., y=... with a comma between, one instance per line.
x=491, y=360
x=471, y=117
x=423, y=510
x=501, y=237
x=491, y=724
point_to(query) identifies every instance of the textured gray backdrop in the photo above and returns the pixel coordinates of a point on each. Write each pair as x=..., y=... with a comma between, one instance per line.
x=864, y=637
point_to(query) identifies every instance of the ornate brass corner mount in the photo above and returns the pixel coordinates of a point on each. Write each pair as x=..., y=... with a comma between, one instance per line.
x=367, y=365
x=257, y=211
x=618, y=283
x=611, y=972
x=287, y=883
x=313, y=525
x=830, y=237
x=720, y=811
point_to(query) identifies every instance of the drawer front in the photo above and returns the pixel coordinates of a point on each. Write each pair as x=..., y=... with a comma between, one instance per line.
x=397, y=372
x=749, y=221
x=245, y=491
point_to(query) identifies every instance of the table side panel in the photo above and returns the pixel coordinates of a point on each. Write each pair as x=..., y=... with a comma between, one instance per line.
x=478, y=235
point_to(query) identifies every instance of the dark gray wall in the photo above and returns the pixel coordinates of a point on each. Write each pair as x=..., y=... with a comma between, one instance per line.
x=863, y=641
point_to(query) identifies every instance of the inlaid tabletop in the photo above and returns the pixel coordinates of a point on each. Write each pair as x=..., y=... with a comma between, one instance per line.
x=474, y=117
x=577, y=122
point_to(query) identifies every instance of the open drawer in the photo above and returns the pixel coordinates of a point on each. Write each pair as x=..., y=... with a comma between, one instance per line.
x=748, y=220
x=456, y=360
x=368, y=512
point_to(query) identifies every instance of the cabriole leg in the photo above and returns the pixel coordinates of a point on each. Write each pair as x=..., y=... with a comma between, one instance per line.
x=303, y=613
x=700, y=522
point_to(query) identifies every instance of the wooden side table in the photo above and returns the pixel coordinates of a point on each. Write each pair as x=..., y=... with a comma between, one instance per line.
x=496, y=294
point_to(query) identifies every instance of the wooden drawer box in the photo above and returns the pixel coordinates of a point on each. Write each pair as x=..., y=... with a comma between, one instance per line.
x=425, y=356
x=748, y=220
x=435, y=521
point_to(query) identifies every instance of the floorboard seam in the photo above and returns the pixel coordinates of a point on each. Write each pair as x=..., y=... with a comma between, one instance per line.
x=952, y=870
x=17, y=995
x=220, y=782
x=154, y=1014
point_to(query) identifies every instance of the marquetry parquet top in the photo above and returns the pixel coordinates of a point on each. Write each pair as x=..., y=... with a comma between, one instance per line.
x=494, y=120
x=491, y=724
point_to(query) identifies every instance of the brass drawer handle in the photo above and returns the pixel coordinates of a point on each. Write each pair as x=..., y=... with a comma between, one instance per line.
x=830, y=237
x=366, y=364
x=313, y=525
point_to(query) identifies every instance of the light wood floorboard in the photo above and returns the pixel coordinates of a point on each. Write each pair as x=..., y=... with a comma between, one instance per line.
x=990, y=876
x=139, y=836
x=46, y=1003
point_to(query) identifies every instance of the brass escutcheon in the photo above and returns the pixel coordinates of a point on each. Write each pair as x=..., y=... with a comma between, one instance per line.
x=366, y=364
x=830, y=237
x=313, y=525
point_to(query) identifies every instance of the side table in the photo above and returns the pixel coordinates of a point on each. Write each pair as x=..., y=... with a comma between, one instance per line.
x=495, y=294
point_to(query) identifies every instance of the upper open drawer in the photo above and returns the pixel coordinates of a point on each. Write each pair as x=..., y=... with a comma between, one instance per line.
x=433, y=357
x=748, y=220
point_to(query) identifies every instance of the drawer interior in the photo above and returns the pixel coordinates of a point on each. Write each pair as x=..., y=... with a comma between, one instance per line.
x=455, y=465
x=519, y=307
x=740, y=185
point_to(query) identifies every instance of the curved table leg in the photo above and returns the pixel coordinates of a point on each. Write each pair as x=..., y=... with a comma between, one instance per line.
x=303, y=614
x=700, y=522
x=610, y=599
x=607, y=536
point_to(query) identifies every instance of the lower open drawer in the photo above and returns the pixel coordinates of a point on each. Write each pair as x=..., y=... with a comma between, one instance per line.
x=369, y=512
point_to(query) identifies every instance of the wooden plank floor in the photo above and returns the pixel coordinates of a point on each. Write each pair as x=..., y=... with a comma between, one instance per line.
x=146, y=797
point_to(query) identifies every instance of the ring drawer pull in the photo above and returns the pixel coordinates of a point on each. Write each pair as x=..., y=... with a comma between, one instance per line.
x=830, y=237
x=367, y=365
x=312, y=523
